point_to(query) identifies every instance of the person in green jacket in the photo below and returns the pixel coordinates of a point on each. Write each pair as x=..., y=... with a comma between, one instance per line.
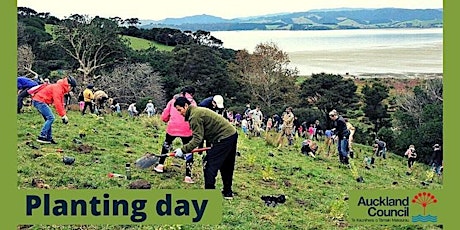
x=222, y=137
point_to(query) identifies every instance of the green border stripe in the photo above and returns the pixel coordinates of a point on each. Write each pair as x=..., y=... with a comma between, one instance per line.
x=451, y=69
x=8, y=92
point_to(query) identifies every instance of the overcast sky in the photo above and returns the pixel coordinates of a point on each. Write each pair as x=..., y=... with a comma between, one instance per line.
x=229, y=9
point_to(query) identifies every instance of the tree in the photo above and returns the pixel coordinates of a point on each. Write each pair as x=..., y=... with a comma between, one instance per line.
x=51, y=57
x=118, y=20
x=33, y=38
x=25, y=60
x=374, y=108
x=419, y=119
x=26, y=12
x=92, y=43
x=266, y=76
x=168, y=36
x=22, y=35
x=413, y=103
x=131, y=21
x=327, y=92
x=31, y=30
x=203, y=67
x=202, y=37
x=131, y=82
x=162, y=62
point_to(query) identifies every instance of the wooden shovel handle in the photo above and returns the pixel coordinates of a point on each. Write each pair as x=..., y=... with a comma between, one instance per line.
x=198, y=150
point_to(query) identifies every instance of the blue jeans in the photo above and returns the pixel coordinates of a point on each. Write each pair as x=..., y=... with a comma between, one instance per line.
x=342, y=146
x=149, y=113
x=437, y=167
x=382, y=152
x=132, y=113
x=48, y=115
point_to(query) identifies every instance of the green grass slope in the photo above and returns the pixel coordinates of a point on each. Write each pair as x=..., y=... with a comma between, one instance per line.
x=134, y=43
x=142, y=44
x=316, y=188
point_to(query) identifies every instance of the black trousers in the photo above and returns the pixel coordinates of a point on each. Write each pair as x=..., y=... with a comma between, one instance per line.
x=23, y=94
x=410, y=162
x=88, y=104
x=166, y=148
x=221, y=157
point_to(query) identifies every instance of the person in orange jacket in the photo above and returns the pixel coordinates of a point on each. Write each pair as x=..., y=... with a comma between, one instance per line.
x=52, y=94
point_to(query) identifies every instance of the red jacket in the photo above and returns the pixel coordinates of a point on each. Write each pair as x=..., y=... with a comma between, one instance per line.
x=54, y=94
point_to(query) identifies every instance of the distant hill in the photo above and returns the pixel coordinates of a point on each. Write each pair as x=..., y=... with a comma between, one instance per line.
x=196, y=19
x=322, y=19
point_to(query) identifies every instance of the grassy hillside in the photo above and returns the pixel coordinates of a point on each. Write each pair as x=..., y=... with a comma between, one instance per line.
x=49, y=29
x=141, y=44
x=316, y=188
x=135, y=43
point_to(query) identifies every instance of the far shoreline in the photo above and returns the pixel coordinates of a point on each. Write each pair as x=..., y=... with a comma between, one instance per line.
x=387, y=75
x=396, y=75
x=397, y=62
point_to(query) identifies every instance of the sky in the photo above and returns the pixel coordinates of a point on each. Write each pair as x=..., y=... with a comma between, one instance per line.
x=228, y=9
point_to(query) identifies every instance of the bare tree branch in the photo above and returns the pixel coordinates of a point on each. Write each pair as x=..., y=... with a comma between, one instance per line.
x=28, y=68
x=25, y=60
x=131, y=82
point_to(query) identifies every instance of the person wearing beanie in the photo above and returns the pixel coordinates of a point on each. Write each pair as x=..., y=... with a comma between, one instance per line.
x=52, y=94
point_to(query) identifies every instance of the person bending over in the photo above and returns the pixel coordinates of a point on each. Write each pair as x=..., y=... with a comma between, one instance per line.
x=221, y=136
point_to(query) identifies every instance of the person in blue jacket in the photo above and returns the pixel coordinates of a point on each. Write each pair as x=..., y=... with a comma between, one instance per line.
x=24, y=84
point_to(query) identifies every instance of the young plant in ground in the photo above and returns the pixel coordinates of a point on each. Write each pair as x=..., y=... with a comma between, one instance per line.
x=268, y=174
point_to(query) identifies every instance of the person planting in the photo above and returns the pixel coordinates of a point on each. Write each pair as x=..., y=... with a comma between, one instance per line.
x=222, y=138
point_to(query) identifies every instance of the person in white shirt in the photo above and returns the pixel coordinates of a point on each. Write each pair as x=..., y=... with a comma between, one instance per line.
x=257, y=117
x=132, y=110
x=244, y=126
x=150, y=108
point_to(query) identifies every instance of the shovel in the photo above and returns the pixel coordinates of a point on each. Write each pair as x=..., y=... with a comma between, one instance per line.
x=150, y=159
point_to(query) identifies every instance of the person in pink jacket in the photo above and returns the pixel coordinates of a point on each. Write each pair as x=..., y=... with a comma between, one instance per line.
x=177, y=127
x=52, y=94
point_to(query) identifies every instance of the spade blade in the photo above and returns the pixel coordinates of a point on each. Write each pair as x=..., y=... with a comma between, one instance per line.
x=146, y=161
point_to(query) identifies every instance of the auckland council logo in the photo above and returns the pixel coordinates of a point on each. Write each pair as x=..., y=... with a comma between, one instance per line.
x=424, y=199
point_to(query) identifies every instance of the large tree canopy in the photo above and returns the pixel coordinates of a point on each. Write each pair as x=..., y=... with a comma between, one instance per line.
x=266, y=76
x=204, y=68
x=374, y=107
x=329, y=91
x=92, y=43
x=31, y=30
